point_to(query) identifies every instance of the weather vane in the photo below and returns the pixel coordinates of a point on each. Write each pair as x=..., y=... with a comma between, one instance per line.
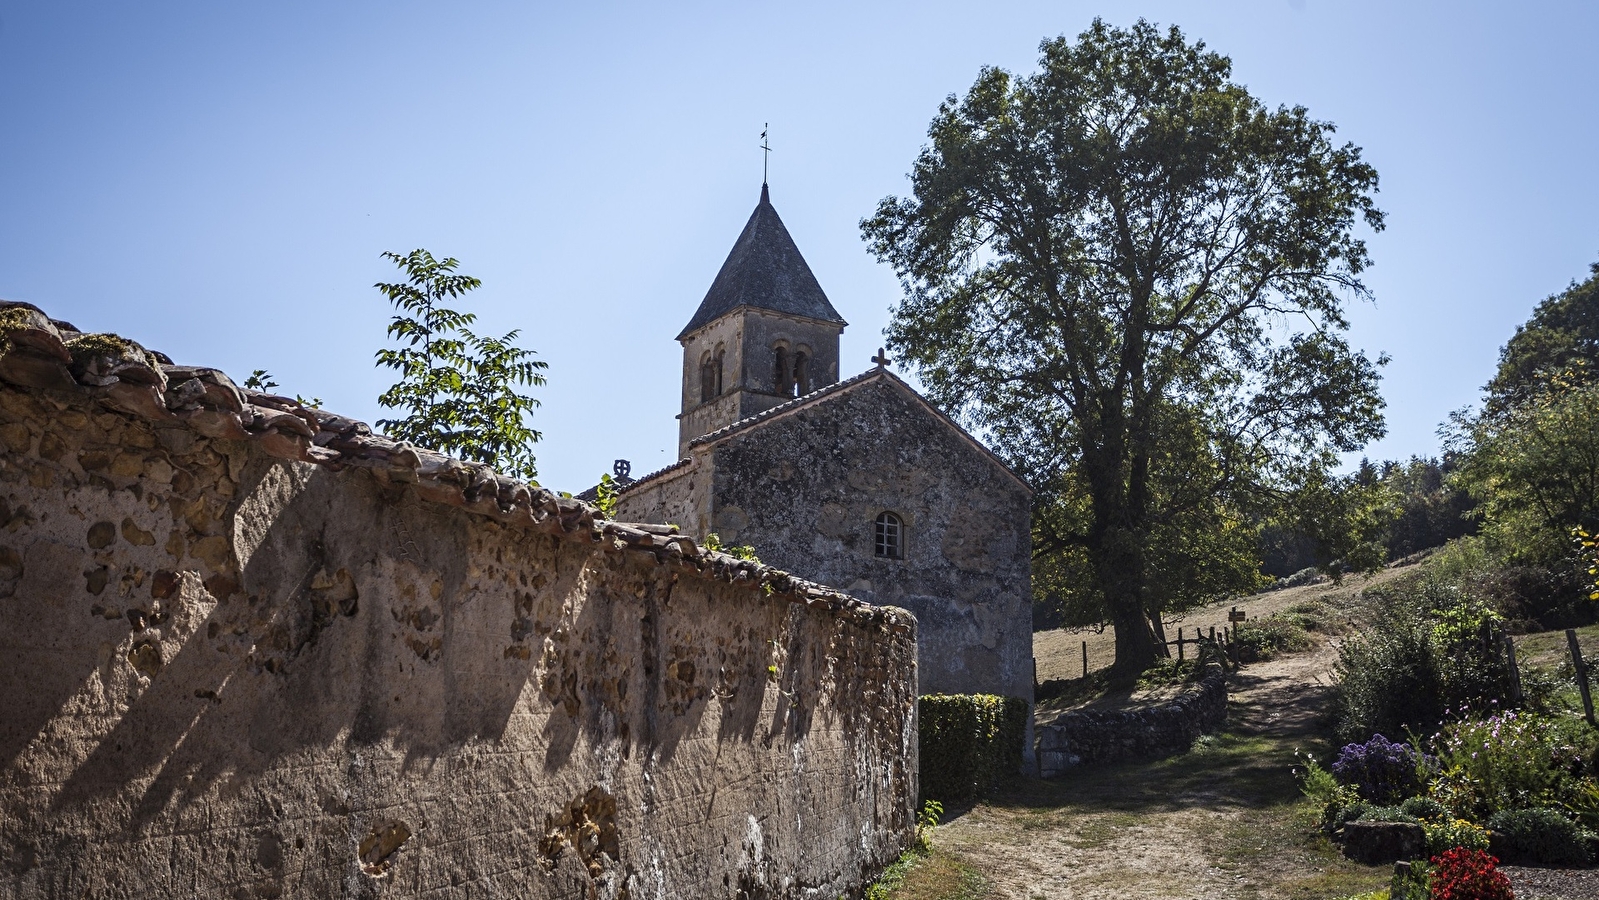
x=766, y=148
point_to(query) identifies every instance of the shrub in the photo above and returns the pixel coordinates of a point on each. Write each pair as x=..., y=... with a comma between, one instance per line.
x=1508, y=760
x=1462, y=874
x=1334, y=818
x=1553, y=595
x=1385, y=814
x=1380, y=770
x=1389, y=682
x=1265, y=638
x=968, y=743
x=1468, y=632
x=1335, y=800
x=1436, y=644
x=1447, y=834
x=1425, y=808
x=1542, y=836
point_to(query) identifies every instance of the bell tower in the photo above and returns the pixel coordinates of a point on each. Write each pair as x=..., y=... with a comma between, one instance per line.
x=764, y=334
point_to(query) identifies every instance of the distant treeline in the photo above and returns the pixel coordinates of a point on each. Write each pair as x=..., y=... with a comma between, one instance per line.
x=1426, y=510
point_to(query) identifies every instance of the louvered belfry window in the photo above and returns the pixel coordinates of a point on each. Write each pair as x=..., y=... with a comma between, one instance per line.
x=888, y=536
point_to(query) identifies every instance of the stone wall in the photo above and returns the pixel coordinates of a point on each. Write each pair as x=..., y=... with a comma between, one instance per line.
x=252, y=650
x=1093, y=736
x=678, y=495
x=804, y=489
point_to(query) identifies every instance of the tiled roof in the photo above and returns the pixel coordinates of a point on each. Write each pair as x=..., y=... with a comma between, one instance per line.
x=764, y=270
x=658, y=473
x=782, y=408
x=841, y=386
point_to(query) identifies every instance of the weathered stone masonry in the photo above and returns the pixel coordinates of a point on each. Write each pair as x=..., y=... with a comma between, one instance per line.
x=252, y=650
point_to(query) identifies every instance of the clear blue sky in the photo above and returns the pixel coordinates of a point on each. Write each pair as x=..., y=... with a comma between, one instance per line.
x=216, y=180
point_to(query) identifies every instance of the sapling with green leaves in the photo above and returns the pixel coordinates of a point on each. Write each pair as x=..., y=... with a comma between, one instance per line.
x=460, y=392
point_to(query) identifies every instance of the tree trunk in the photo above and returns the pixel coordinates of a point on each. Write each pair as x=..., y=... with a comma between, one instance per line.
x=1119, y=561
x=1158, y=629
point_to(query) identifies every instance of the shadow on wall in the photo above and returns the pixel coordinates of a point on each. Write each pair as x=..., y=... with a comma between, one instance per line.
x=340, y=624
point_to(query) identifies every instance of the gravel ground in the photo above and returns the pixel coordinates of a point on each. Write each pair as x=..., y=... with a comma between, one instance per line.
x=1553, y=884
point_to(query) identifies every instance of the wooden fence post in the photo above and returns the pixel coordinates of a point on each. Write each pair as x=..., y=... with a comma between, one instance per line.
x=1515, y=673
x=1582, y=673
x=1085, y=659
x=1179, y=644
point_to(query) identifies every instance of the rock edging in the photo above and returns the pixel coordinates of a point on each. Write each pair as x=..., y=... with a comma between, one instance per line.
x=1091, y=736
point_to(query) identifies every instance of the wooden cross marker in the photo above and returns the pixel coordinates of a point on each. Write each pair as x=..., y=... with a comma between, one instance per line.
x=881, y=358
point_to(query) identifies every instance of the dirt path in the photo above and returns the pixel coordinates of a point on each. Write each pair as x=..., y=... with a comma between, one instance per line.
x=1224, y=820
x=1220, y=821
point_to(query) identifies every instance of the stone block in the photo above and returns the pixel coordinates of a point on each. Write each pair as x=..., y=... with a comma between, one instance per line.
x=1384, y=842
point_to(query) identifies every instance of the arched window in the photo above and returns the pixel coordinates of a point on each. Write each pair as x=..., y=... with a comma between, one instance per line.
x=707, y=379
x=717, y=365
x=802, y=373
x=780, y=378
x=888, y=536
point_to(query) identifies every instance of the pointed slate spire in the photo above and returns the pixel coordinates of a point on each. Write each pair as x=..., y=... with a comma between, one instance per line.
x=764, y=270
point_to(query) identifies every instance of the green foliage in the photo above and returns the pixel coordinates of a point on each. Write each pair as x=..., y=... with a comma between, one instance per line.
x=459, y=391
x=1429, y=510
x=713, y=541
x=1425, y=809
x=1535, y=469
x=926, y=820
x=1105, y=265
x=1268, y=637
x=1436, y=645
x=1562, y=333
x=1509, y=760
x=968, y=743
x=260, y=380
x=1446, y=834
x=1171, y=671
x=1387, y=814
x=1338, y=802
x=1389, y=681
x=1386, y=511
x=605, y=494
x=1541, y=836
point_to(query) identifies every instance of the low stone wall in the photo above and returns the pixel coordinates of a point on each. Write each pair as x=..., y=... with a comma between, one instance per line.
x=1091, y=736
x=252, y=650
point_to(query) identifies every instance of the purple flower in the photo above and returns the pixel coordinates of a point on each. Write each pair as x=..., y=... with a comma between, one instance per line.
x=1380, y=770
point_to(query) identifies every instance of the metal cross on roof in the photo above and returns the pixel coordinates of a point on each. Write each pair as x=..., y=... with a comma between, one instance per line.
x=766, y=150
x=881, y=358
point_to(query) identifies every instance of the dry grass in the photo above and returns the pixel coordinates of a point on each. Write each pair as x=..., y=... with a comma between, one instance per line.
x=1059, y=652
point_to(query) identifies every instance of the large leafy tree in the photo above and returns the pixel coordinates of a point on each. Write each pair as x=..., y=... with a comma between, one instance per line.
x=1530, y=455
x=1562, y=331
x=459, y=391
x=1535, y=470
x=1119, y=247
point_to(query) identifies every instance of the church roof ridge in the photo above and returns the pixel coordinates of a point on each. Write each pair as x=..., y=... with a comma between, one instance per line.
x=658, y=473
x=784, y=407
x=764, y=270
x=835, y=388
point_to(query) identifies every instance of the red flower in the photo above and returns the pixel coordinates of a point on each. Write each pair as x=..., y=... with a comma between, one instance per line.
x=1462, y=874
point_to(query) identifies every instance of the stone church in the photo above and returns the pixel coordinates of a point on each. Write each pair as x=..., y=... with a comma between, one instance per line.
x=860, y=484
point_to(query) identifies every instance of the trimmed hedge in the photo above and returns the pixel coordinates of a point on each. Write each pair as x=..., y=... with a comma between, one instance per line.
x=968, y=744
